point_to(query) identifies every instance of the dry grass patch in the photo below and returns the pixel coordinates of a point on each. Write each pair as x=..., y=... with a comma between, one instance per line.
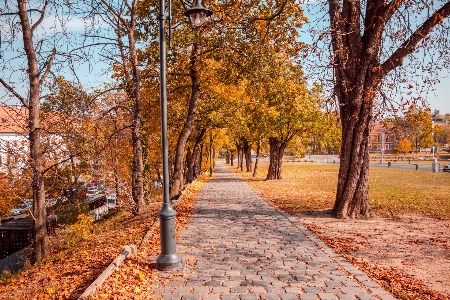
x=312, y=186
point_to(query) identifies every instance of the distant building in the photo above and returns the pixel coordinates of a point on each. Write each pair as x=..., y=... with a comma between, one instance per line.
x=382, y=139
x=13, y=136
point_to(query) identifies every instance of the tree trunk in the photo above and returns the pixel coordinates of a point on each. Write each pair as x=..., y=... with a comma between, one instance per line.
x=137, y=182
x=276, y=158
x=241, y=159
x=232, y=159
x=196, y=152
x=116, y=180
x=258, y=151
x=227, y=157
x=40, y=243
x=358, y=73
x=178, y=180
x=352, y=196
x=247, y=150
x=198, y=163
x=238, y=147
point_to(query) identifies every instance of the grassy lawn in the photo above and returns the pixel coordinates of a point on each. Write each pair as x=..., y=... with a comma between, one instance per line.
x=312, y=186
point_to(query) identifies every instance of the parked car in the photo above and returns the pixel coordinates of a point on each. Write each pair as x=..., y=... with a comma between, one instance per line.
x=91, y=191
x=446, y=168
x=18, y=210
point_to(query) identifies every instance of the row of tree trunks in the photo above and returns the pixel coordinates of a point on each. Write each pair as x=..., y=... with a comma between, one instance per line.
x=195, y=158
x=177, y=179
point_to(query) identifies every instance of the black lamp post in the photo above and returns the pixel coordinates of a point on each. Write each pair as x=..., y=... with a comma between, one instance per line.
x=169, y=260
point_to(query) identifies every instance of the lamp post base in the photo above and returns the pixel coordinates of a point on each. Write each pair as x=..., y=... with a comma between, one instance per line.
x=169, y=263
x=168, y=260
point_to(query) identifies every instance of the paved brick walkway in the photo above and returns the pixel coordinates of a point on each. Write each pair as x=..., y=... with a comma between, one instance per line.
x=237, y=246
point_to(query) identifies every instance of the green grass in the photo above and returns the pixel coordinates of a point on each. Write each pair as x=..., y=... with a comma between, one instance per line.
x=312, y=187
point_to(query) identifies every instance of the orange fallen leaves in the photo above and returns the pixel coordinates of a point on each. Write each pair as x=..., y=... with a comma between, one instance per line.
x=69, y=270
x=136, y=276
x=394, y=279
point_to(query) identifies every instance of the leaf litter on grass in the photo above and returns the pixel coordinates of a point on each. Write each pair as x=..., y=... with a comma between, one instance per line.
x=136, y=277
x=72, y=267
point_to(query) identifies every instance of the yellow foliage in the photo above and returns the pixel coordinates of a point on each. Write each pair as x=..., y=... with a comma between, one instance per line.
x=79, y=231
x=84, y=226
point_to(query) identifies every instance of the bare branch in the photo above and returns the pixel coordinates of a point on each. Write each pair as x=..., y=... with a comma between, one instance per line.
x=12, y=91
x=48, y=67
x=41, y=18
x=409, y=45
x=116, y=13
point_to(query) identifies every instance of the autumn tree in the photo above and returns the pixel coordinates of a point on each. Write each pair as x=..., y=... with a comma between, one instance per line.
x=443, y=135
x=282, y=105
x=39, y=52
x=114, y=35
x=371, y=41
x=7, y=200
x=404, y=145
x=417, y=126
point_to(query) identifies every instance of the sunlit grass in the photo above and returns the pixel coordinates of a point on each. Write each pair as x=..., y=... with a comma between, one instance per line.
x=312, y=186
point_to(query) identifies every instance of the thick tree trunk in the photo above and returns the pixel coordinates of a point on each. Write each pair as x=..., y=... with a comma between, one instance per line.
x=137, y=181
x=232, y=159
x=177, y=179
x=258, y=151
x=40, y=243
x=247, y=150
x=352, y=196
x=276, y=158
x=227, y=157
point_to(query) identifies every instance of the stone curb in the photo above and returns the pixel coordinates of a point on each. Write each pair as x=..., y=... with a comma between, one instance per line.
x=126, y=252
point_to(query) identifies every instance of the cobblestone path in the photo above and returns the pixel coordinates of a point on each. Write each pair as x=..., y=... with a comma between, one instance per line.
x=237, y=246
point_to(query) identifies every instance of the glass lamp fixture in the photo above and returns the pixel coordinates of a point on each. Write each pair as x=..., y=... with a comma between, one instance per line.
x=198, y=14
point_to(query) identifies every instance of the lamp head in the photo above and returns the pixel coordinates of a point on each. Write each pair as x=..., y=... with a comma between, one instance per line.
x=198, y=14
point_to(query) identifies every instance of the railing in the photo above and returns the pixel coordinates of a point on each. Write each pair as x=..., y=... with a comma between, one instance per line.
x=13, y=240
x=18, y=234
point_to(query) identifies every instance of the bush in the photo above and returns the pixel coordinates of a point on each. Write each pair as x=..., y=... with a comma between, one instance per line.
x=68, y=213
x=78, y=231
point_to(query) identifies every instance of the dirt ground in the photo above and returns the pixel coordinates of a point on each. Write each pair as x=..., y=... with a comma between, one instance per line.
x=410, y=255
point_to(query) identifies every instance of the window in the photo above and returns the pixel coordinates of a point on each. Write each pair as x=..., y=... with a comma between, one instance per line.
x=379, y=147
x=379, y=138
x=386, y=147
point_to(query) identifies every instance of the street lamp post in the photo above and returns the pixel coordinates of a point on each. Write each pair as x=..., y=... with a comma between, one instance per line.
x=169, y=260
